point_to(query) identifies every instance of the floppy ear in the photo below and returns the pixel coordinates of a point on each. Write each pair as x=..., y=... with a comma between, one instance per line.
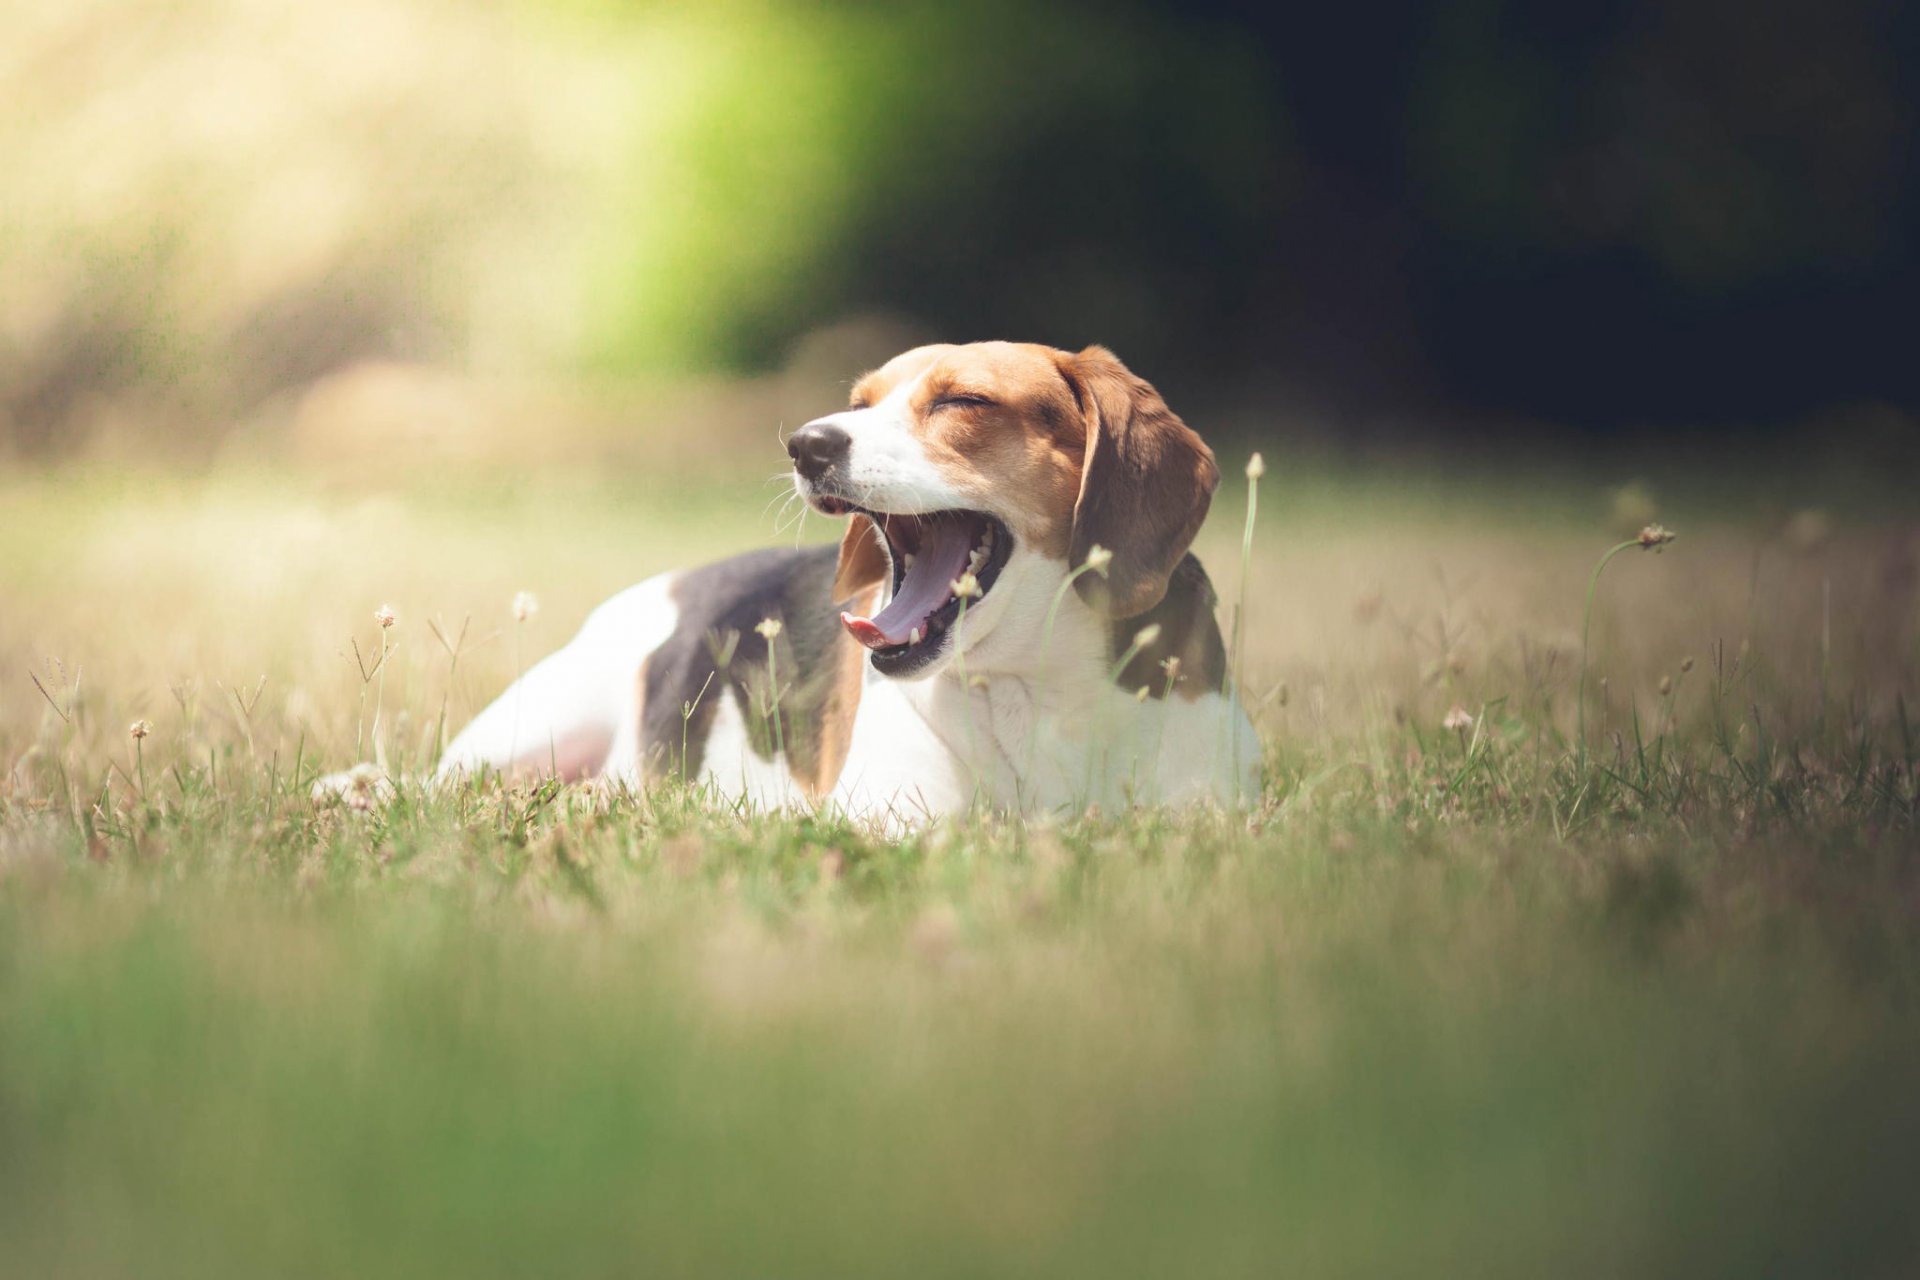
x=1144, y=488
x=863, y=561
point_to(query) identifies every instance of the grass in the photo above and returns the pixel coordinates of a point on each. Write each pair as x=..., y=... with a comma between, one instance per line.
x=1467, y=1001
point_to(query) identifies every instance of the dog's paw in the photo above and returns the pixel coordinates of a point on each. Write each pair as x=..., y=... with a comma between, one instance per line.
x=361, y=788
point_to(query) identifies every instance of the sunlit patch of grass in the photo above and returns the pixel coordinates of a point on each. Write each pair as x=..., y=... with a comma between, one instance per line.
x=1456, y=996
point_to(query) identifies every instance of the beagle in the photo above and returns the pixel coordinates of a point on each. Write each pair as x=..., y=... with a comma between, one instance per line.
x=1012, y=616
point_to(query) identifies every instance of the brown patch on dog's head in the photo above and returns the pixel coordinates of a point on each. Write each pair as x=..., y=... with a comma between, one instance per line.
x=1000, y=423
x=1071, y=451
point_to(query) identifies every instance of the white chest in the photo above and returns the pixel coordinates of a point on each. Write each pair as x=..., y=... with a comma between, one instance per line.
x=933, y=748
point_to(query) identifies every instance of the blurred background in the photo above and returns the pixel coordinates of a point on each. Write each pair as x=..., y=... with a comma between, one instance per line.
x=308, y=308
x=430, y=232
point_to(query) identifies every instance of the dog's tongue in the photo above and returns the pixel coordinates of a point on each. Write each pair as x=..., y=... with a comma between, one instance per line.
x=945, y=544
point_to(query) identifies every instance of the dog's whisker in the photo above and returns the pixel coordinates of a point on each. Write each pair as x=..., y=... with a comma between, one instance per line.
x=777, y=503
x=780, y=517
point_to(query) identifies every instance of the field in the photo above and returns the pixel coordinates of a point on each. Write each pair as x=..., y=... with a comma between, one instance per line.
x=1463, y=994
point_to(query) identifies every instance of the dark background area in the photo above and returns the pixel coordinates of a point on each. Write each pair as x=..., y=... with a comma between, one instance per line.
x=1616, y=214
x=1493, y=217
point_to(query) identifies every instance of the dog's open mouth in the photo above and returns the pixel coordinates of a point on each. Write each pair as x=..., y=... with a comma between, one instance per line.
x=942, y=562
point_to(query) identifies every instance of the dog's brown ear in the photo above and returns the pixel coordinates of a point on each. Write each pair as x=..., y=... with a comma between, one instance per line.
x=863, y=561
x=1144, y=488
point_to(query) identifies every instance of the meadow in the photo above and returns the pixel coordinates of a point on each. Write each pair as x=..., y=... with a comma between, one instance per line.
x=1464, y=993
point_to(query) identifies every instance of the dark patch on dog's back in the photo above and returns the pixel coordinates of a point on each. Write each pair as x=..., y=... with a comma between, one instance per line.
x=1188, y=631
x=716, y=651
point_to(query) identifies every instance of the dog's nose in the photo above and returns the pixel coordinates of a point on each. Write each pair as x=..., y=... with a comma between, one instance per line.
x=816, y=447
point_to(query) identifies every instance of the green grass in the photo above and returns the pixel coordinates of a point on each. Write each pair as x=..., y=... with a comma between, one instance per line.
x=1445, y=1003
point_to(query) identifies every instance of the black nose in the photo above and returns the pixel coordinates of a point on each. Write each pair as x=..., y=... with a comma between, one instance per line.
x=816, y=447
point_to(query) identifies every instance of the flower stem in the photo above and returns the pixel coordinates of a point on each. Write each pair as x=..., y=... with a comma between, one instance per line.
x=966, y=704
x=1255, y=469
x=1246, y=570
x=773, y=695
x=1586, y=628
x=380, y=701
x=1053, y=612
x=1046, y=644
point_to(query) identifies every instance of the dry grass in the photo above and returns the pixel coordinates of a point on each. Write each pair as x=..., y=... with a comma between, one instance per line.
x=1450, y=1000
x=1366, y=612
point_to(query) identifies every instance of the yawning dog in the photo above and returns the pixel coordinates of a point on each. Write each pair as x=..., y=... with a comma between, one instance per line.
x=1012, y=617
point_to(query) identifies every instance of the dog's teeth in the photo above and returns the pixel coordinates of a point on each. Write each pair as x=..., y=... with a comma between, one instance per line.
x=907, y=560
x=976, y=561
x=913, y=636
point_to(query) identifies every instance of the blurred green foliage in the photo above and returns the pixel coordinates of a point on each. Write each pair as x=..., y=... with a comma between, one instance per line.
x=231, y=201
x=1632, y=208
x=792, y=163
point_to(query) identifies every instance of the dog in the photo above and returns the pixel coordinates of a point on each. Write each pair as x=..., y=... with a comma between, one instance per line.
x=1012, y=617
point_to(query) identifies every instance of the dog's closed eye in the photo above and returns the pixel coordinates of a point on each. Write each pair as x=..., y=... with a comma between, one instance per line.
x=960, y=400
